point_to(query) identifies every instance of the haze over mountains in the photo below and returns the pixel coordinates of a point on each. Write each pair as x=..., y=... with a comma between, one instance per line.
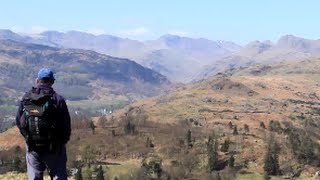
x=178, y=58
x=181, y=59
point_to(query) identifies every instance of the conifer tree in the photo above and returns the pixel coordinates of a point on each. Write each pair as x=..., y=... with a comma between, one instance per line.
x=262, y=125
x=213, y=163
x=230, y=125
x=225, y=145
x=78, y=175
x=271, y=161
x=129, y=128
x=189, y=139
x=92, y=126
x=231, y=161
x=235, y=130
x=100, y=175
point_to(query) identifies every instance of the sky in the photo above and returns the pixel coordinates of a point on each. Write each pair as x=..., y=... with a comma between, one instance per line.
x=240, y=21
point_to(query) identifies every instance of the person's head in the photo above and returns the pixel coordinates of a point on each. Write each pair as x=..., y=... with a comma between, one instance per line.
x=45, y=77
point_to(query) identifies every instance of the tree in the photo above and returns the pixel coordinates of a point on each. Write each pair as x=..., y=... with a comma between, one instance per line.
x=153, y=168
x=231, y=161
x=271, y=162
x=225, y=145
x=88, y=155
x=113, y=132
x=78, y=175
x=212, y=151
x=235, y=130
x=189, y=139
x=230, y=125
x=129, y=128
x=149, y=143
x=246, y=128
x=275, y=126
x=92, y=126
x=303, y=147
x=262, y=125
x=100, y=175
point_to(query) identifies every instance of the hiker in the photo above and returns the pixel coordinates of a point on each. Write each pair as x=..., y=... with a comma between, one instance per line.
x=44, y=121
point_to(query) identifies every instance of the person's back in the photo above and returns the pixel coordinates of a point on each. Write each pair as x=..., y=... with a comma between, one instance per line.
x=44, y=121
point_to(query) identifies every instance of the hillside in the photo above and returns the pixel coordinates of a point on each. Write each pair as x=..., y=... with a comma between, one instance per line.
x=252, y=99
x=268, y=90
x=245, y=108
x=85, y=78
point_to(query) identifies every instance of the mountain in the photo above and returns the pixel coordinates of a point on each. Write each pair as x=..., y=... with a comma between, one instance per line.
x=178, y=58
x=7, y=34
x=287, y=48
x=299, y=44
x=80, y=74
x=105, y=44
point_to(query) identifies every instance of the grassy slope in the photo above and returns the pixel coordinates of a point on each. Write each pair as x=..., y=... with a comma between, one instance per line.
x=273, y=91
x=214, y=108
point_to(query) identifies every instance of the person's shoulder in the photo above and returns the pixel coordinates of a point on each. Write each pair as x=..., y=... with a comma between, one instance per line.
x=26, y=94
x=59, y=97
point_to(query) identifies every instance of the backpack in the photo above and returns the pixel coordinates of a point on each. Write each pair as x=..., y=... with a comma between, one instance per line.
x=38, y=119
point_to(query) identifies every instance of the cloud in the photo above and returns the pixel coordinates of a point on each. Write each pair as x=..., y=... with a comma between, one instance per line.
x=134, y=32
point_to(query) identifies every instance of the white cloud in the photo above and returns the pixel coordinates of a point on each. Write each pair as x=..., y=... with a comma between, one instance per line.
x=134, y=32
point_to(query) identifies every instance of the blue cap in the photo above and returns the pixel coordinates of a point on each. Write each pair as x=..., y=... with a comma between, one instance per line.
x=45, y=73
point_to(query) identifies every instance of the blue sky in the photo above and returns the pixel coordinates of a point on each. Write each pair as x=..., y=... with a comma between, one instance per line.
x=240, y=21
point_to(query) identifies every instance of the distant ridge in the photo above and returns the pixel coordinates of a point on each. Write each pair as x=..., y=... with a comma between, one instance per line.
x=176, y=57
x=180, y=59
x=81, y=74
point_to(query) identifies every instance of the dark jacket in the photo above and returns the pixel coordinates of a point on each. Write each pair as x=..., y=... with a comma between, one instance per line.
x=63, y=120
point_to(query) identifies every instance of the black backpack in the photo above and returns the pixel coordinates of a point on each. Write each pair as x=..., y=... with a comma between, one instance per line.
x=38, y=119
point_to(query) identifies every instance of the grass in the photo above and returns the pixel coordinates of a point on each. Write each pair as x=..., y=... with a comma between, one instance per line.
x=94, y=105
x=124, y=168
x=254, y=177
x=21, y=176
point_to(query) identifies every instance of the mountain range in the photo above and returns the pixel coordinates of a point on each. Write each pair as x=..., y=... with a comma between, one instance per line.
x=180, y=59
